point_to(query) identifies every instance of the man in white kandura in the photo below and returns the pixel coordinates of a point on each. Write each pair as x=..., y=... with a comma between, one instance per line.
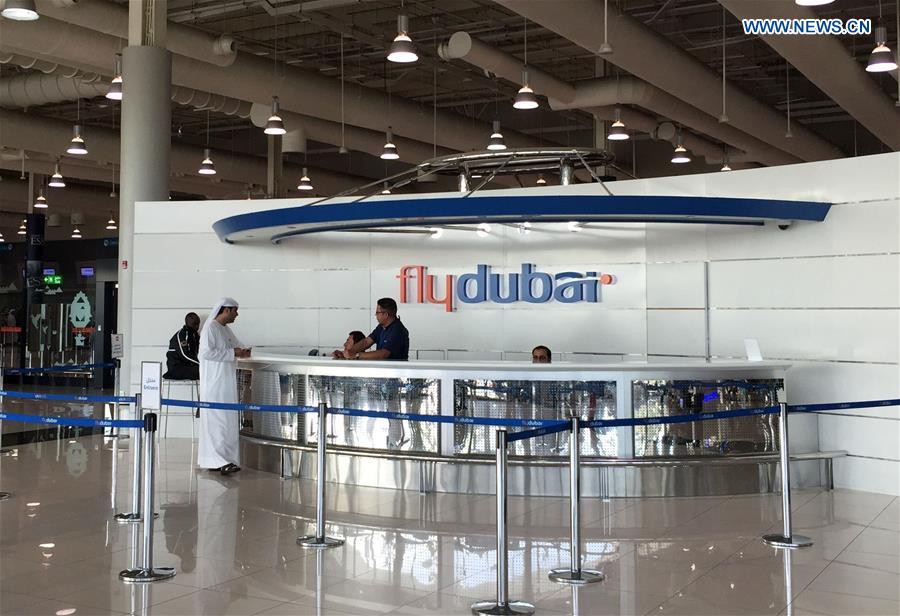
x=219, y=350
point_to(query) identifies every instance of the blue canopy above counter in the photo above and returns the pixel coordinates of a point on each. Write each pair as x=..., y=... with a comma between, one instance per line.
x=443, y=209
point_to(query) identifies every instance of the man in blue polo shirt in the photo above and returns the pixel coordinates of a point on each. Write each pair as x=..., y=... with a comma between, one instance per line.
x=391, y=338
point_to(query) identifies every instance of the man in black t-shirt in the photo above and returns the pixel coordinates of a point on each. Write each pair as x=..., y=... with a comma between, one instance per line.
x=181, y=358
x=391, y=338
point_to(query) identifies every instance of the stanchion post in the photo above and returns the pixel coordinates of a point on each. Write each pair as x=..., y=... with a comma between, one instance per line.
x=502, y=606
x=787, y=539
x=116, y=430
x=574, y=574
x=135, y=515
x=147, y=572
x=319, y=540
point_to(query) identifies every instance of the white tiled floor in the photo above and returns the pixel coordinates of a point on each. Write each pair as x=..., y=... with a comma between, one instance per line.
x=233, y=543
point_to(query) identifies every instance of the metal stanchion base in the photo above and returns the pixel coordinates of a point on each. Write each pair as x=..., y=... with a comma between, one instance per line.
x=794, y=541
x=4, y=495
x=311, y=541
x=576, y=578
x=492, y=608
x=130, y=518
x=146, y=575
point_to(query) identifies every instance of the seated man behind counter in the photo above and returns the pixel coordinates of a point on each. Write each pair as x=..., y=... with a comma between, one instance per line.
x=181, y=358
x=391, y=338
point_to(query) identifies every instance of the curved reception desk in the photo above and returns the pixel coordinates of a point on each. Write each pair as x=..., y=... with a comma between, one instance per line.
x=728, y=456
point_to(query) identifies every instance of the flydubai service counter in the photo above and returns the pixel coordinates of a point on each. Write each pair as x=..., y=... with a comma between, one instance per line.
x=724, y=456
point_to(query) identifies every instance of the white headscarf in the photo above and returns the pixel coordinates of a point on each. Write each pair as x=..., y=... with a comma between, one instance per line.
x=225, y=302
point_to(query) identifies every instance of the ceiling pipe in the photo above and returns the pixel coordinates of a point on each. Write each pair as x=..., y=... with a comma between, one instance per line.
x=649, y=56
x=30, y=132
x=110, y=18
x=825, y=61
x=608, y=91
x=31, y=63
x=299, y=90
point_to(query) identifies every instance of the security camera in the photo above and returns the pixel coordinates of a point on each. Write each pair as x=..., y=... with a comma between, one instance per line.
x=785, y=225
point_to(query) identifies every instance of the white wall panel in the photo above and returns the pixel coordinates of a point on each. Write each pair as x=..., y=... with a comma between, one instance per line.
x=676, y=332
x=849, y=335
x=822, y=382
x=848, y=229
x=676, y=242
x=868, y=475
x=675, y=285
x=582, y=329
x=871, y=281
x=872, y=437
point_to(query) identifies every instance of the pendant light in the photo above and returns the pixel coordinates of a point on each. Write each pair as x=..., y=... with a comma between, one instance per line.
x=275, y=125
x=56, y=180
x=725, y=165
x=617, y=130
x=605, y=48
x=76, y=233
x=390, y=150
x=882, y=59
x=115, y=86
x=680, y=155
x=111, y=223
x=20, y=10
x=525, y=98
x=305, y=183
x=22, y=229
x=41, y=202
x=812, y=2
x=541, y=181
x=1, y=237
x=77, y=147
x=402, y=49
x=496, y=143
x=207, y=167
x=386, y=190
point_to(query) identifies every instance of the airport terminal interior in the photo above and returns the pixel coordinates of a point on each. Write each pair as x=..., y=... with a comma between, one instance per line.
x=371, y=307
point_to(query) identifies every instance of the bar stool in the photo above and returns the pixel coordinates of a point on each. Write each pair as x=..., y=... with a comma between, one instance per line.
x=194, y=386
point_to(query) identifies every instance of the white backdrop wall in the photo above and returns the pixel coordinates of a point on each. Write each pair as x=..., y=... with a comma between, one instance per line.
x=825, y=296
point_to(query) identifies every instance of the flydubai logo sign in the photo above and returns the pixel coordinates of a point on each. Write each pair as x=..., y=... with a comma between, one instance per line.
x=483, y=286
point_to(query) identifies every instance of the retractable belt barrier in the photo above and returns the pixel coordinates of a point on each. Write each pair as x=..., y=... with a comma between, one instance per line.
x=60, y=368
x=27, y=395
x=72, y=421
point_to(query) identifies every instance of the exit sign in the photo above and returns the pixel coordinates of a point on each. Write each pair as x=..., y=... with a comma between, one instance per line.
x=54, y=279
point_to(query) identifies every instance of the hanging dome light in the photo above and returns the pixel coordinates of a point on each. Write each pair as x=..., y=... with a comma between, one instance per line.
x=525, y=98
x=115, y=86
x=496, y=142
x=386, y=190
x=725, y=165
x=77, y=145
x=617, y=130
x=881, y=60
x=22, y=229
x=681, y=155
x=305, y=183
x=207, y=167
x=402, y=49
x=541, y=181
x=812, y=2
x=111, y=223
x=20, y=10
x=1, y=237
x=56, y=180
x=41, y=202
x=76, y=233
x=275, y=125
x=390, y=150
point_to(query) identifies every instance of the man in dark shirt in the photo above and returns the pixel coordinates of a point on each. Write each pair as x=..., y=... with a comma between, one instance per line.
x=391, y=338
x=181, y=358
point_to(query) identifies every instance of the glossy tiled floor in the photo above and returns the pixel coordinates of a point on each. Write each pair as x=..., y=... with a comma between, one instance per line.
x=233, y=543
